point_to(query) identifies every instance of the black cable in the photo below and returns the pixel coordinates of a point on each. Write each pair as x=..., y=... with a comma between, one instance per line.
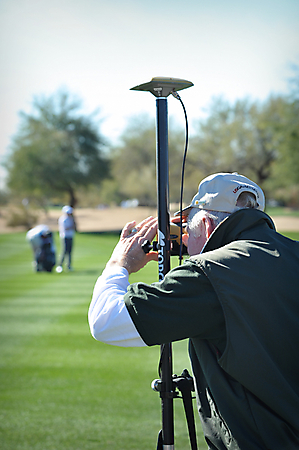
x=176, y=95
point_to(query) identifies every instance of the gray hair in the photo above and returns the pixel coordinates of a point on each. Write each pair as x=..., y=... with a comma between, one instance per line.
x=246, y=200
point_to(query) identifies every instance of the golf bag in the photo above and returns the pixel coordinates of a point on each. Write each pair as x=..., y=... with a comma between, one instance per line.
x=41, y=240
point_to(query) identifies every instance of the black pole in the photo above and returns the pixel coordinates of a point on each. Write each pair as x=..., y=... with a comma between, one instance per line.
x=162, y=168
x=161, y=87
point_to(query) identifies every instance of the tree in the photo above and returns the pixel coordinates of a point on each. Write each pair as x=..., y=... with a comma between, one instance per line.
x=285, y=178
x=133, y=164
x=56, y=150
x=134, y=161
x=289, y=143
x=239, y=138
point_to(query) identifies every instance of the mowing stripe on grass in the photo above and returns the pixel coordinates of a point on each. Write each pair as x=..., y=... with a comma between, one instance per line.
x=59, y=388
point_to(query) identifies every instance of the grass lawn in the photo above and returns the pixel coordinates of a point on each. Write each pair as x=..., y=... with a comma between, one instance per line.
x=282, y=211
x=59, y=388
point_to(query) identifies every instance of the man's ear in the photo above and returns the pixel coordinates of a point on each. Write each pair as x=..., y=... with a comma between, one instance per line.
x=208, y=226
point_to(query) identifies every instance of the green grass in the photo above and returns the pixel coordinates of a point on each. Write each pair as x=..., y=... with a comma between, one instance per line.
x=59, y=388
x=293, y=235
x=282, y=211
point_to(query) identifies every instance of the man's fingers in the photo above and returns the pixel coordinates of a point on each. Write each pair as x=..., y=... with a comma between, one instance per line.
x=126, y=231
x=144, y=222
x=151, y=230
x=141, y=227
x=152, y=256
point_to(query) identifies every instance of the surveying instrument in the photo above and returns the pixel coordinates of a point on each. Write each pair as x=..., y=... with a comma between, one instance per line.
x=168, y=385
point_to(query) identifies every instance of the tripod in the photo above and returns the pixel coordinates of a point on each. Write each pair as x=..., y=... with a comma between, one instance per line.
x=161, y=88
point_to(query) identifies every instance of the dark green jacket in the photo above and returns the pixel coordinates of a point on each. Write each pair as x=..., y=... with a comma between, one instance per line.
x=237, y=302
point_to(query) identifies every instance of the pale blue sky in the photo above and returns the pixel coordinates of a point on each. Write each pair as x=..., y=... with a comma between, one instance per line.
x=99, y=50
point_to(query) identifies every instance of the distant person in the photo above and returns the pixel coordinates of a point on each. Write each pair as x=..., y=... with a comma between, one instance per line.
x=67, y=229
x=41, y=240
x=236, y=300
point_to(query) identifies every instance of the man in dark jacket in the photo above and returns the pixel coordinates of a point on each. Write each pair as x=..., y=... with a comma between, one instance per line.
x=236, y=301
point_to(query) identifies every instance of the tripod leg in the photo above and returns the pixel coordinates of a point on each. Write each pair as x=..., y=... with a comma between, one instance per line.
x=160, y=441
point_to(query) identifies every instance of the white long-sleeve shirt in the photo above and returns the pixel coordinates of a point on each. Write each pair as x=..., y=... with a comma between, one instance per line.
x=108, y=317
x=66, y=226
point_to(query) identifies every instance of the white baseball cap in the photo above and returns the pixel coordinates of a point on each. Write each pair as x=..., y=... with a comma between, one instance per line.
x=220, y=192
x=67, y=209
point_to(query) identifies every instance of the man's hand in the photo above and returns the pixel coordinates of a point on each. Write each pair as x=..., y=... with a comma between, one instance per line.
x=128, y=253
